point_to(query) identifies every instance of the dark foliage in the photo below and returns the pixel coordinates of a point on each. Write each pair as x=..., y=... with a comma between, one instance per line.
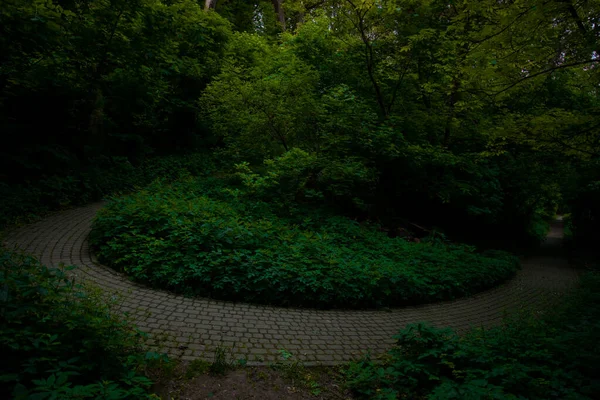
x=23, y=202
x=553, y=357
x=58, y=342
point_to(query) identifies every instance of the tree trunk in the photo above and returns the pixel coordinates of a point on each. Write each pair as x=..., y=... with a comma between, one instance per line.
x=96, y=120
x=96, y=125
x=582, y=29
x=208, y=4
x=278, y=5
x=451, y=103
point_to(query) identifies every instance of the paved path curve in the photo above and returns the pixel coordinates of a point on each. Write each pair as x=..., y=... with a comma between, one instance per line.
x=192, y=328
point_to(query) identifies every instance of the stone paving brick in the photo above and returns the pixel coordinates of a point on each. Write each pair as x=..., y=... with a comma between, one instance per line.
x=192, y=328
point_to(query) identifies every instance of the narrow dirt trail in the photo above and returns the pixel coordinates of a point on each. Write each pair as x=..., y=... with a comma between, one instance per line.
x=192, y=328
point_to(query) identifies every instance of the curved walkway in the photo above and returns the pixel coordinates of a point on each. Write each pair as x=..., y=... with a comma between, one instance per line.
x=193, y=328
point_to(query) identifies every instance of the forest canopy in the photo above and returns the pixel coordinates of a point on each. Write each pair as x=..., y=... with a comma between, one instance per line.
x=469, y=116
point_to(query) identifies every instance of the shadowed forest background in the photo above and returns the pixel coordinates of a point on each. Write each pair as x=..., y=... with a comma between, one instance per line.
x=480, y=119
x=471, y=117
x=429, y=132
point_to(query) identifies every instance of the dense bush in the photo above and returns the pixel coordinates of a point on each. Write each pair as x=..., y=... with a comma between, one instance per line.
x=297, y=177
x=25, y=201
x=58, y=341
x=555, y=357
x=197, y=238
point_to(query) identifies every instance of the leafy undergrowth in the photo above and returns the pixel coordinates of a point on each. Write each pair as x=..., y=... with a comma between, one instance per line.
x=555, y=357
x=58, y=342
x=201, y=237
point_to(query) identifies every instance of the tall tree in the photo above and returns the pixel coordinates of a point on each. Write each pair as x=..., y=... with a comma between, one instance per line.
x=278, y=6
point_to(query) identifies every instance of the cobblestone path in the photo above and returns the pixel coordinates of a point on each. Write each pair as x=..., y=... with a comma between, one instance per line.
x=191, y=328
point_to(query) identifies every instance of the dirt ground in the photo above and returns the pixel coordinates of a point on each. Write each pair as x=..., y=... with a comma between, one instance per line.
x=265, y=383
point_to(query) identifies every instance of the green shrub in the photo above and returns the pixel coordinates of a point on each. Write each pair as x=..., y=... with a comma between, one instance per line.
x=555, y=357
x=568, y=228
x=59, y=342
x=299, y=177
x=27, y=201
x=538, y=228
x=198, y=238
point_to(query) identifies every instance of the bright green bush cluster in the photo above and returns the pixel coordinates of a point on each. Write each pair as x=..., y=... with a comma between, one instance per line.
x=196, y=238
x=301, y=177
x=528, y=358
x=58, y=342
x=27, y=201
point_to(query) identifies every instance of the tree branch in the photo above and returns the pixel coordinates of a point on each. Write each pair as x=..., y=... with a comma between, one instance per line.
x=397, y=86
x=369, y=57
x=545, y=72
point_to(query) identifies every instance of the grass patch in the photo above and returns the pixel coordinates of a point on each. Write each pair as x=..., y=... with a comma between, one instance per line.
x=201, y=237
